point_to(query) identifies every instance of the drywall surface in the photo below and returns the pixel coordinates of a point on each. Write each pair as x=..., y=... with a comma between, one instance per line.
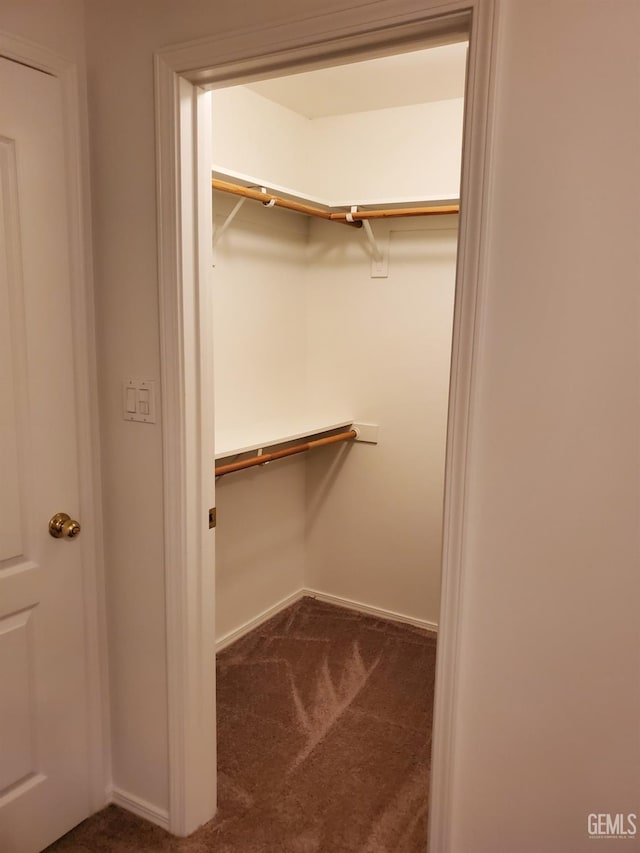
x=260, y=377
x=259, y=324
x=408, y=152
x=549, y=701
x=381, y=347
x=55, y=24
x=260, y=542
x=259, y=138
x=301, y=326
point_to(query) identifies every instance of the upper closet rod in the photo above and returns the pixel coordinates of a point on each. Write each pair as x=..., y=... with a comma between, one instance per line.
x=268, y=198
x=387, y=213
x=353, y=218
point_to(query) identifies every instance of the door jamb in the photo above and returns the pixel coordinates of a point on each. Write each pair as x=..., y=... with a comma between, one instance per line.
x=40, y=58
x=184, y=271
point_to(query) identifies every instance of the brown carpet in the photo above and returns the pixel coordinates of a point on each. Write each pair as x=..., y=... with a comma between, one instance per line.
x=324, y=733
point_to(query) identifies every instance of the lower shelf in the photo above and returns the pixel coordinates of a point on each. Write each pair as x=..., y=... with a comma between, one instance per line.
x=259, y=436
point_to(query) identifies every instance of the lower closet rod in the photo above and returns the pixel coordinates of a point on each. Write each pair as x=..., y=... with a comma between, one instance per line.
x=288, y=451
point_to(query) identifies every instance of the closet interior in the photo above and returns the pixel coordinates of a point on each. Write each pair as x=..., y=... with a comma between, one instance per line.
x=335, y=200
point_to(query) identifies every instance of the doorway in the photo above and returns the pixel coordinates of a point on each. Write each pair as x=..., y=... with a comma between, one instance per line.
x=322, y=329
x=186, y=361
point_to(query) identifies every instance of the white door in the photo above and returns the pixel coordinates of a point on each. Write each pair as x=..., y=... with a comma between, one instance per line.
x=44, y=741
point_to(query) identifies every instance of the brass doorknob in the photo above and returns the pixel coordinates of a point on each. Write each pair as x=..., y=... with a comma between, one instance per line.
x=63, y=525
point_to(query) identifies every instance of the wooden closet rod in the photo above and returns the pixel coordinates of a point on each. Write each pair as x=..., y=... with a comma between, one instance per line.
x=221, y=470
x=389, y=212
x=339, y=216
x=265, y=198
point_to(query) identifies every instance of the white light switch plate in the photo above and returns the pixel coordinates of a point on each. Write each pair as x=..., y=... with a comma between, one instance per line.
x=139, y=400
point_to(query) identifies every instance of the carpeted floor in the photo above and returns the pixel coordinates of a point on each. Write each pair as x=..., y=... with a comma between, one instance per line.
x=324, y=733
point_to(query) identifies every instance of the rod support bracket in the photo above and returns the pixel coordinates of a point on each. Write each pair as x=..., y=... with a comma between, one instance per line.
x=271, y=202
x=366, y=432
x=219, y=231
x=379, y=249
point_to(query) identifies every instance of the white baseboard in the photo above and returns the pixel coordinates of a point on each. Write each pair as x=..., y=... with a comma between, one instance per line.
x=234, y=635
x=140, y=807
x=237, y=633
x=372, y=611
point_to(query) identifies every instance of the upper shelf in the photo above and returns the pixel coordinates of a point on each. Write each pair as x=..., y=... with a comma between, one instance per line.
x=218, y=173
x=355, y=217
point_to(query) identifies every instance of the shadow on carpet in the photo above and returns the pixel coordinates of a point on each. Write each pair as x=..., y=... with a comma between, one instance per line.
x=324, y=738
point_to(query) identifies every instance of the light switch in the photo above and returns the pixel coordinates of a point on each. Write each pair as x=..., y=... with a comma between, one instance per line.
x=130, y=399
x=139, y=400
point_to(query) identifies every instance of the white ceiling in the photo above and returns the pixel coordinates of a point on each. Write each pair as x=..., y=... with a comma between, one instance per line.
x=436, y=74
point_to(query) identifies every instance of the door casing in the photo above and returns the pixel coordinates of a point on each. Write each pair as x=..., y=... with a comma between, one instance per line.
x=183, y=137
x=86, y=415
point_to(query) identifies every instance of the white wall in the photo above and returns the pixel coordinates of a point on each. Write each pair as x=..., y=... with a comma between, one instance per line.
x=548, y=695
x=56, y=24
x=301, y=326
x=260, y=377
x=407, y=152
x=380, y=348
x=259, y=138
x=259, y=324
x=549, y=698
x=410, y=152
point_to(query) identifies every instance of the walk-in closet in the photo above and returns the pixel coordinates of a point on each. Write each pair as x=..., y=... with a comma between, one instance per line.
x=335, y=201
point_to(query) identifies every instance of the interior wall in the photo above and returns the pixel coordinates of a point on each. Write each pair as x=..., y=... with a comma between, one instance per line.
x=260, y=377
x=316, y=333
x=342, y=159
x=354, y=153
x=549, y=696
x=259, y=138
x=56, y=24
x=548, y=689
x=380, y=348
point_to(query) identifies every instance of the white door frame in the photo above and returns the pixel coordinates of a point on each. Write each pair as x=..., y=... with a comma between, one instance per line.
x=86, y=415
x=184, y=217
